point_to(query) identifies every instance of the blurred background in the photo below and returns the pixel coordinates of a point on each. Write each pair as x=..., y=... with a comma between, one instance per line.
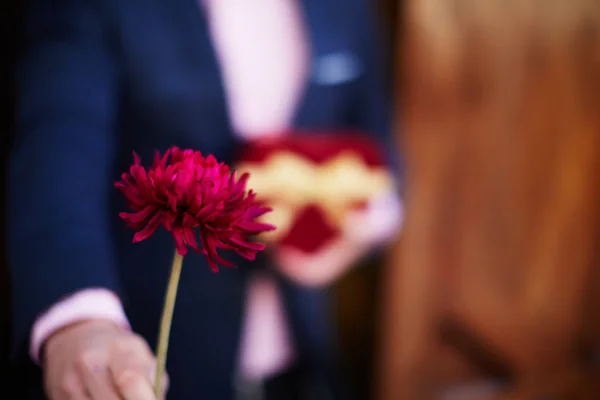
x=11, y=14
x=492, y=290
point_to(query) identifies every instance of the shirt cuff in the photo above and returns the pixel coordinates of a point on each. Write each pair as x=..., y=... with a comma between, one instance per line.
x=83, y=305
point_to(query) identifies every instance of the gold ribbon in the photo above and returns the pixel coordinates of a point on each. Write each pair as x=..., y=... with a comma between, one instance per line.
x=290, y=182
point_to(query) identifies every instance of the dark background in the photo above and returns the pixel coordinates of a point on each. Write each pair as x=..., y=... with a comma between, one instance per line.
x=11, y=12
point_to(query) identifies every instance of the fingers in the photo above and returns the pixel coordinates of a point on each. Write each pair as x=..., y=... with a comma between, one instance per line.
x=379, y=223
x=132, y=367
x=321, y=268
x=165, y=385
x=71, y=387
x=96, y=377
x=101, y=365
x=134, y=386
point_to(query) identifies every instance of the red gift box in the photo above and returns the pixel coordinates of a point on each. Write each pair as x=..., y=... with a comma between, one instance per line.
x=313, y=181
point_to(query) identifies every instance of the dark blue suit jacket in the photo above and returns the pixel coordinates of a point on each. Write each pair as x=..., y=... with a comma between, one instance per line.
x=101, y=78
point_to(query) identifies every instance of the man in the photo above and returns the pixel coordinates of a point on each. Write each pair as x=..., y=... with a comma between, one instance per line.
x=101, y=78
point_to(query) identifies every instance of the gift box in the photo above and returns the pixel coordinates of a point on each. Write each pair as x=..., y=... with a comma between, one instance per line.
x=312, y=181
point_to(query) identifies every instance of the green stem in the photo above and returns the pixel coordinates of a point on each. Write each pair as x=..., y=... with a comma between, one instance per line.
x=165, y=324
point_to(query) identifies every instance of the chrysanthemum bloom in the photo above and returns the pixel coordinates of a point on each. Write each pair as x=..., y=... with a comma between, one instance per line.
x=193, y=197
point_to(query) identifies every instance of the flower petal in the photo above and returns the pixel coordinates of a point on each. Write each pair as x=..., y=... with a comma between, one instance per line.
x=148, y=230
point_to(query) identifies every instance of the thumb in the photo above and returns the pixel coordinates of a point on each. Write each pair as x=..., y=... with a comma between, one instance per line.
x=165, y=380
x=133, y=385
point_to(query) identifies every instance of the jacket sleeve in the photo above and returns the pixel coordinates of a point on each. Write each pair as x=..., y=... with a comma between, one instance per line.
x=376, y=100
x=60, y=168
x=384, y=216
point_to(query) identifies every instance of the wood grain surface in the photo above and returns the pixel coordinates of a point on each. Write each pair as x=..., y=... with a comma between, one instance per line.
x=499, y=111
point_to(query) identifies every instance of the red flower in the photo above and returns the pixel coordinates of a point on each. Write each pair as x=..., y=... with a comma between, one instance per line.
x=192, y=195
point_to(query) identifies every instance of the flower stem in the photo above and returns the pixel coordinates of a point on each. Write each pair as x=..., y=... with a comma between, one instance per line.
x=165, y=323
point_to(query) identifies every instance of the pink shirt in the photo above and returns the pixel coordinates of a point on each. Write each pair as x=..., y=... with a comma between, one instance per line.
x=265, y=58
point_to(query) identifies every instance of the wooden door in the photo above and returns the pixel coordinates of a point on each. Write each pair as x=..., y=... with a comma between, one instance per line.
x=500, y=114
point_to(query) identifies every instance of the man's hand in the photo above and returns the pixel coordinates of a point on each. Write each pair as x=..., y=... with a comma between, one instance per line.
x=362, y=231
x=321, y=268
x=97, y=360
